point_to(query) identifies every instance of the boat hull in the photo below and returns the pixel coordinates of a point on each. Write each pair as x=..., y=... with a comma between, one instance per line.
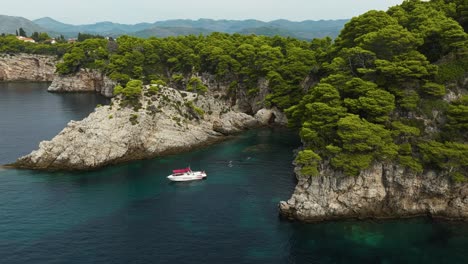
x=191, y=176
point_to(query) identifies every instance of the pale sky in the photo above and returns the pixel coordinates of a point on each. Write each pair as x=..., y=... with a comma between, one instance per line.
x=135, y=11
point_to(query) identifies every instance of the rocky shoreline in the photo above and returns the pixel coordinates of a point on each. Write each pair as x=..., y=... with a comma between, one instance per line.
x=85, y=80
x=41, y=68
x=175, y=121
x=169, y=122
x=380, y=192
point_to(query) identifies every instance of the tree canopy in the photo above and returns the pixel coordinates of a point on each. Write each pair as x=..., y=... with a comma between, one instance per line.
x=381, y=95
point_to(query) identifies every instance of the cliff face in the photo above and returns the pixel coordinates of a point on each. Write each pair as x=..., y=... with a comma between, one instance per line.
x=244, y=102
x=169, y=122
x=84, y=81
x=27, y=67
x=382, y=191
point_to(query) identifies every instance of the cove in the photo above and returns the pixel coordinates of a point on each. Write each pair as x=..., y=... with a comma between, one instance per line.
x=132, y=214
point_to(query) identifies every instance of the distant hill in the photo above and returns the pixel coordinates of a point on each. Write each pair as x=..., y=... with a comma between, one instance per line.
x=9, y=24
x=171, y=31
x=227, y=26
x=308, y=29
x=54, y=25
x=101, y=28
x=304, y=30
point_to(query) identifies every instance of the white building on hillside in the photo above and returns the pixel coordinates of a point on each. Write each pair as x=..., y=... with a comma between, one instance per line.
x=25, y=39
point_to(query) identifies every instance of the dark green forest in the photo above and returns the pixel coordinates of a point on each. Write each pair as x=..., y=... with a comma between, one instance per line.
x=379, y=94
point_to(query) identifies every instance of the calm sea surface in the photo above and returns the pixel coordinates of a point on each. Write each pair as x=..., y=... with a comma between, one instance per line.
x=132, y=214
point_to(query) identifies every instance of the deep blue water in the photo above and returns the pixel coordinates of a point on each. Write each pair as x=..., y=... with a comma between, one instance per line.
x=132, y=214
x=29, y=114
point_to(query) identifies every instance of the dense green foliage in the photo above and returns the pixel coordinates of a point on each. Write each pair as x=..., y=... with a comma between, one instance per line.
x=40, y=37
x=85, y=36
x=10, y=44
x=380, y=98
x=239, y=60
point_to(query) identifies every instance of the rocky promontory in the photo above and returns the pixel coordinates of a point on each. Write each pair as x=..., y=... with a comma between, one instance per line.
x=41, y=68
x=85, y=80
x=169, y=122
x=382, y=191
x=27, y=67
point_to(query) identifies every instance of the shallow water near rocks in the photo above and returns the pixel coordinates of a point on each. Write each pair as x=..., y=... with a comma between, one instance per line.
x=131, y=213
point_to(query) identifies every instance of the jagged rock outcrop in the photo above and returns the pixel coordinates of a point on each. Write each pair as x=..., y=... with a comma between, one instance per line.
x=85, y=80
x=382, y=191
x=271, y=116
x=251, y=102
x=27, y=67
x=245, y=101
x=169, y=122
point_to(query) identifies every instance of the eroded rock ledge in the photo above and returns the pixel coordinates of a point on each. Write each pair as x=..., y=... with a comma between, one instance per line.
x=27, y=67
x=382, y=191
x=85, y=80
x=168, y=122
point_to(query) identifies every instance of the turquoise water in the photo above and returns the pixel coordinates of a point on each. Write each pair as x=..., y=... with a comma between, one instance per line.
x=132, y=214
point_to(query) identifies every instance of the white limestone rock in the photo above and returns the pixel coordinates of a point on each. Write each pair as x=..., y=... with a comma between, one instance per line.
x=382, y=191
x=165, y=124
x=27, y=67
x=85, y=80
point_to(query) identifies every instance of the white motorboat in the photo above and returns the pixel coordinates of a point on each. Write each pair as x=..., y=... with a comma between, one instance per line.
x=186, y=175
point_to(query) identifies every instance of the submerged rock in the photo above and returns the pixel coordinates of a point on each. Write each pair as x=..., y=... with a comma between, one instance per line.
x=165, y=124
x=382, y=191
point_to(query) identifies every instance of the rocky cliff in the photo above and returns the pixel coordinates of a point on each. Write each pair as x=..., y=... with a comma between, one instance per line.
x=27, y=67
x=243, y=100
x=169, y=122
x=382, y=191
x=84, y=81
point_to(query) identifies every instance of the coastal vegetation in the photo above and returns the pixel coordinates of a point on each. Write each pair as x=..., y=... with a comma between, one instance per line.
x=236, y=59
x=382, y=93
x=10, y=44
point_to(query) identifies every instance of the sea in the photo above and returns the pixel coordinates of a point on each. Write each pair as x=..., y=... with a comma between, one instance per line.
x=131, y=213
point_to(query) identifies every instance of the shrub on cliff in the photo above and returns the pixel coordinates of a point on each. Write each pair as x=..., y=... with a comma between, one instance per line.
x=133, y=89
x=155, y=86
x=195, y=111
x=309, y=161
x=130, y=94
x=196, y=85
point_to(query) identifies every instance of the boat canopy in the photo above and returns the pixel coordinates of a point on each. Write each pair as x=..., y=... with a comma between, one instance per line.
x=181, y=171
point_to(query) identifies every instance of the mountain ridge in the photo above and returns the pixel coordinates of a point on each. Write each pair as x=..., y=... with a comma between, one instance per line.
x=307, y=29
x=10, y=24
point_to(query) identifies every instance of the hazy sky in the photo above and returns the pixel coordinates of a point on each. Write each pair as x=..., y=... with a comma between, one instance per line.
x=134, y=11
